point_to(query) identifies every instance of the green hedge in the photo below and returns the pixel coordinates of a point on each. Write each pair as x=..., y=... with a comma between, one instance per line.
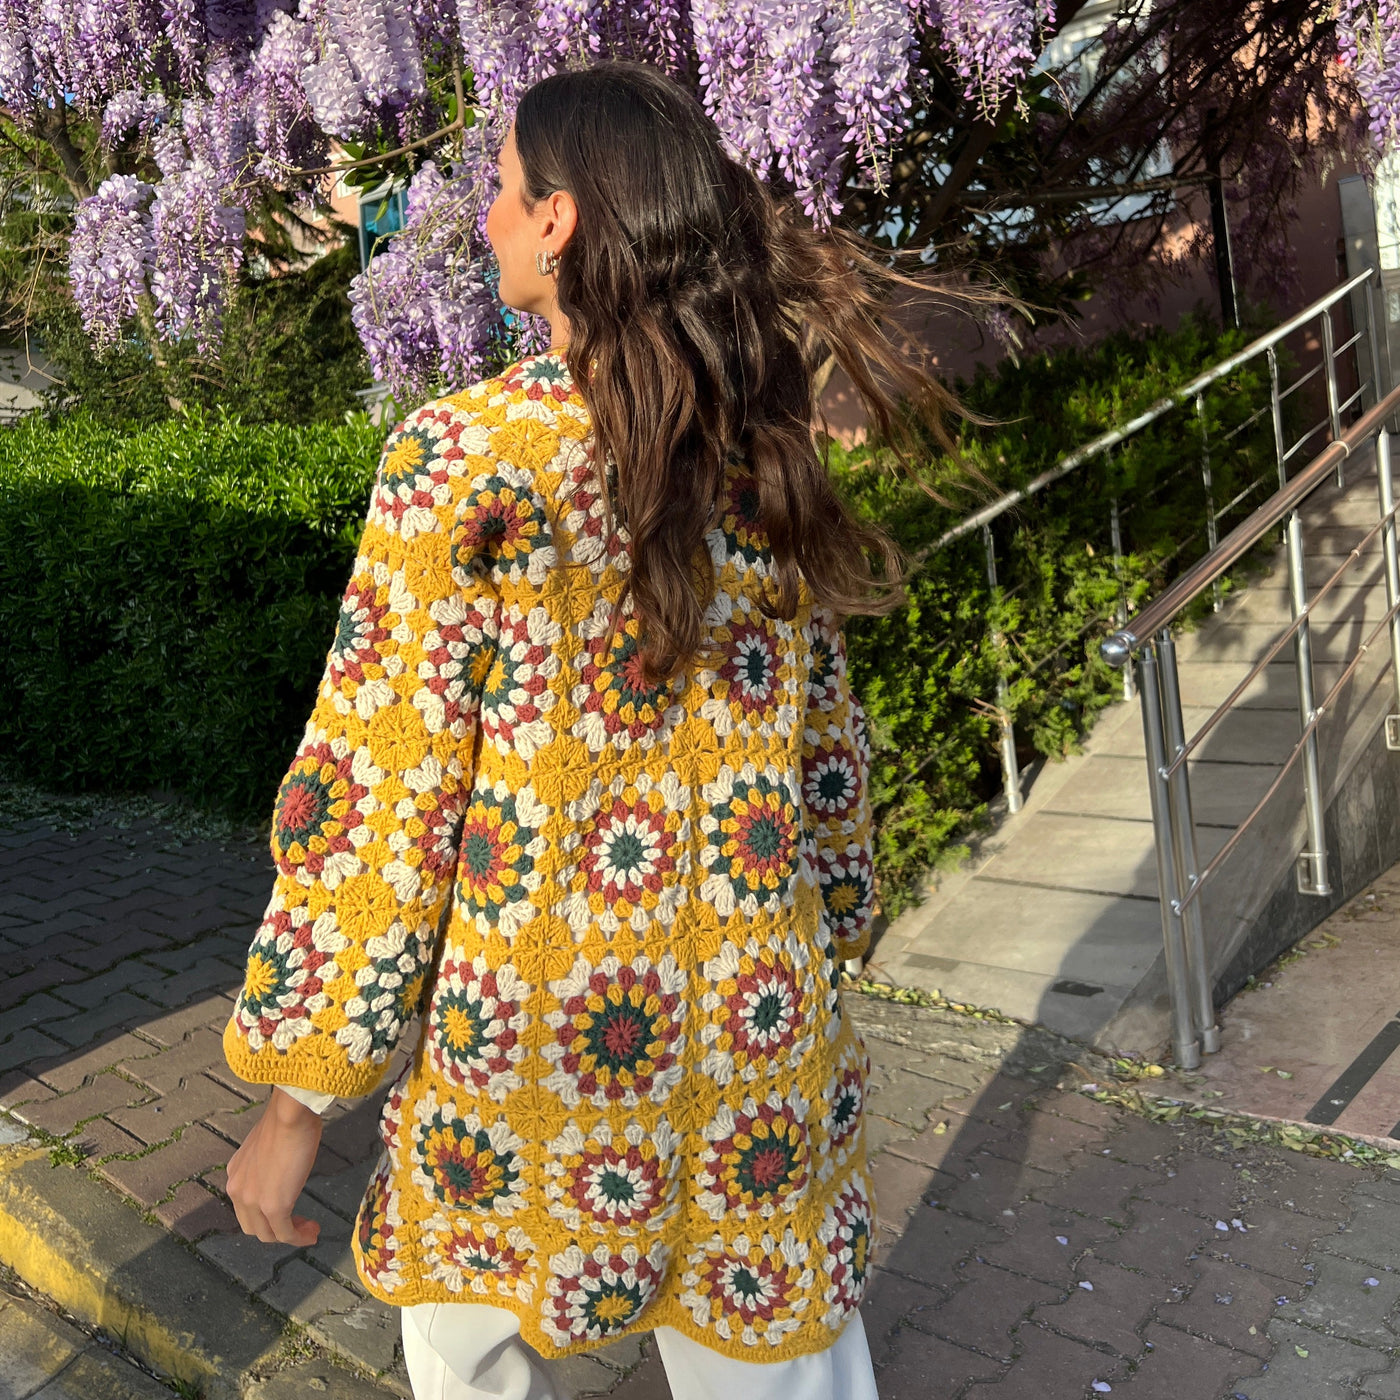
x=168, y=595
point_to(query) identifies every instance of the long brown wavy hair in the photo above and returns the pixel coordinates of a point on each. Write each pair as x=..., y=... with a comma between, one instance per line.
x=700, y=304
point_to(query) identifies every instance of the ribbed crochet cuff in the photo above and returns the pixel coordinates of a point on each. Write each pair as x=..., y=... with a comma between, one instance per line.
x=316, y=1064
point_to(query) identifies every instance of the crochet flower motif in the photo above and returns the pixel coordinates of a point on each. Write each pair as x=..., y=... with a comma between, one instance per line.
x=630, y=856
x=285, y=977
x=377, y=1241
x=544, y=376
x=359, y=634
x=831, y=786
x=614, y=1181
x=413, y=480
x=756, y=1010
x=499, y=845
x=515, y=692
x=474, y=1024
x=753, y=1289
x=844, y=1099
x=753, y=829
x=620, y=707
x=595, y=1293
x=756, y=1159
x=848, y=890
x=616, y=1032
x=464, y=1164
x=751, y=690
x=386, y=990
x=828, y=666
x=846, y=1231
x=480, y=1256
x=317, y=810
x=738, y=533
x=460, y=649
x=503, y=521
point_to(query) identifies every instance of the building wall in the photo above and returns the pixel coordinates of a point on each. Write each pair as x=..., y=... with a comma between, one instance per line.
x=956, y=344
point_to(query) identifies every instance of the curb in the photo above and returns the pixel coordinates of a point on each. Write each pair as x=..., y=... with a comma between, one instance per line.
x=179, y=1315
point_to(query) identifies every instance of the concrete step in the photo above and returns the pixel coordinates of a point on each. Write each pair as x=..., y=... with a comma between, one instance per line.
x=1115, y=786
x=1241, y=736
x=1018, y=947
x=1089, y=854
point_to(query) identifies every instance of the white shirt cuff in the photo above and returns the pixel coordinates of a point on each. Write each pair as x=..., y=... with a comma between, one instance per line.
x=318, y=1103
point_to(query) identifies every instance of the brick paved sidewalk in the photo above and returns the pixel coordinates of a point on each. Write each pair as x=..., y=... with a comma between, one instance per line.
x=1033, y=1244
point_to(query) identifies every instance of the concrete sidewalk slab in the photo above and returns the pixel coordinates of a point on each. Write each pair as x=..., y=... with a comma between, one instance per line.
x=60, y=1233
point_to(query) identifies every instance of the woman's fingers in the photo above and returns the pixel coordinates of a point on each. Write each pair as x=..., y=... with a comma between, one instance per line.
x=307, y=1231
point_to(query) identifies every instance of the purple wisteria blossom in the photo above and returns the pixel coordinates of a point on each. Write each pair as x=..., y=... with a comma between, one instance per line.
x=423, y=307
x=506, y=50
x=219, y=131
x=871, y=61
x=185, y=33
x=198, y=249
x=132, y=110
x=1368, y=34
x=804, y=124
x=992, y=43
x=285, y=134
x=110, y=255
x=17, y=75
x=733, y=66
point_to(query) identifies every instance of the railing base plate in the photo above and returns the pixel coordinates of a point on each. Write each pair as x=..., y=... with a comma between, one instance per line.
x=1392, y=732
x=1308, y=864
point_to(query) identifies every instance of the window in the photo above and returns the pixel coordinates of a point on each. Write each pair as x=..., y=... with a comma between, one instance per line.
x=1074, y=55
x=382, y=213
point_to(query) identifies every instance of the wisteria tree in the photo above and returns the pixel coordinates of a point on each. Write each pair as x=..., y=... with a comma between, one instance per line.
x=189, y=132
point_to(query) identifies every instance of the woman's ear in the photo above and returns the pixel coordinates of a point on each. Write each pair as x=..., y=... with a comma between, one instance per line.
x=560, y=218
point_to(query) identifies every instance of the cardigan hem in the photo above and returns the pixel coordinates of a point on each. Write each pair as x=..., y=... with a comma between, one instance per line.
x=664, y=1312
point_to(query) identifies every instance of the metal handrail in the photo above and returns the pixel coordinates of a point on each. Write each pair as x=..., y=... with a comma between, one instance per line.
x=1149, y=642
x=1164, y=610
x=1322, y=309
x=1097, y=446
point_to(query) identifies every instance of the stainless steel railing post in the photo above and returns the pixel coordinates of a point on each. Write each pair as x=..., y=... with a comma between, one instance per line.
x=1276, y=405
x=1188, y=864
x=1334, y=397
x=1378, y=387
x=1116, y=533
x=1312, y=863
x=1010, y=769
x=1212, y=521
x=1386, y=484
x=1185, y=1047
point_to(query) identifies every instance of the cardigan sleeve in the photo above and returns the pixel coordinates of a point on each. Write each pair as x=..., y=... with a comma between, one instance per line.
x=836, y=791
x=368, y=817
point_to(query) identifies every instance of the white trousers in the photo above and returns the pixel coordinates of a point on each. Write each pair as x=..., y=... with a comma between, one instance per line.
x=472, y=1351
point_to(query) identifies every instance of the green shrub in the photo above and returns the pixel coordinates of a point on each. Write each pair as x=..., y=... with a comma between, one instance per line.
x=168, y=598
x=927, y=674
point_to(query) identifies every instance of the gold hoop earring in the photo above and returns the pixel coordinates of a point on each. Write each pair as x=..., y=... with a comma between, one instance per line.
x=545, y=263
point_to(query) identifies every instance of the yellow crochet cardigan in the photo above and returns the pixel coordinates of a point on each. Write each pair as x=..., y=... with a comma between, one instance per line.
x=620, y=910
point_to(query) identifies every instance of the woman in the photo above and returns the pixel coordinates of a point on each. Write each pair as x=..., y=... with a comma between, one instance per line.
x=584, y=784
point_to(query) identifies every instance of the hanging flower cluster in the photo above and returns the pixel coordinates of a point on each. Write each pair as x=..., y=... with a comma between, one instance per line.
x=233, y=98
x=1368, y=34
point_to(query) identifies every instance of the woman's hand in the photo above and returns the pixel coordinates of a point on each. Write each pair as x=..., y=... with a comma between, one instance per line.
x=266, y=1174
